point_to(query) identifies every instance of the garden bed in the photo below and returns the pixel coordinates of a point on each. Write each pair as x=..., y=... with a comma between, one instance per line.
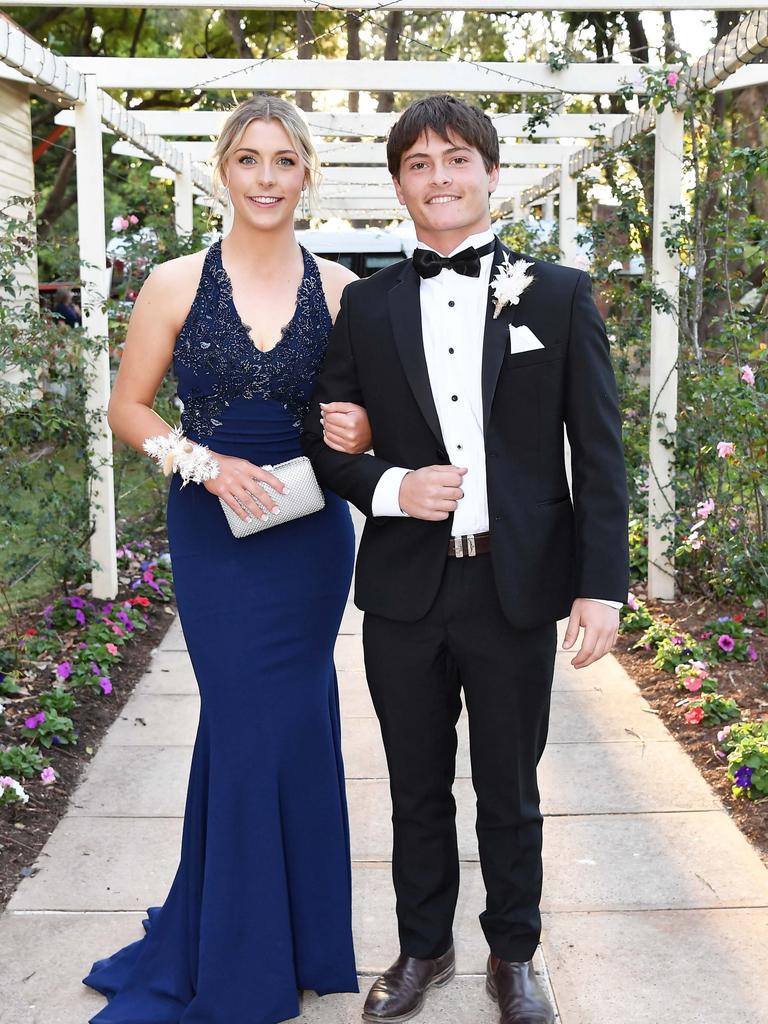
x=744, y=681
x=26, y=827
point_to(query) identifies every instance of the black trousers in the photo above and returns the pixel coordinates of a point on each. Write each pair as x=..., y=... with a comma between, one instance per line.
x=416, y=672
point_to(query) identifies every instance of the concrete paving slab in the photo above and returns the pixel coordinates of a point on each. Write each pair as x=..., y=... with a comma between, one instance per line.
x=627, y=862
x=155, y=720
x=616, y=778
x=168, y=672
x=606, y=675
x=174, y=638
x=594, y=716
x=354, y=695
x=348, y=653
x=681, y=966
x=46, y=956
x=122, y=781
x=103, y=864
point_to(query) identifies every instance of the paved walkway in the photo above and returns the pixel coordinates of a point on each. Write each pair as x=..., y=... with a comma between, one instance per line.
x=655, y=907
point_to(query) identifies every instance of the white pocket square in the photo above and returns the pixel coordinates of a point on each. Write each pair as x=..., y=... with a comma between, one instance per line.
x=522, y=339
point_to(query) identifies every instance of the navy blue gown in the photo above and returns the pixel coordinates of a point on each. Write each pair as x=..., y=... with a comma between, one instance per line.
x=260, y=906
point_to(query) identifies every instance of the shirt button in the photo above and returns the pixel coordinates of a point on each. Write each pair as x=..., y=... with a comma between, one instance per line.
x=450, y=351
x=451, y=303
x=459, y=446
x=454, y=398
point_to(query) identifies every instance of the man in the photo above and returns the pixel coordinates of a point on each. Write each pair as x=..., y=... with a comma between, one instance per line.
x=472, y=547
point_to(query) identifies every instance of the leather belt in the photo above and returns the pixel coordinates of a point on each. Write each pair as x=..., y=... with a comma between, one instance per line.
x=470, y=545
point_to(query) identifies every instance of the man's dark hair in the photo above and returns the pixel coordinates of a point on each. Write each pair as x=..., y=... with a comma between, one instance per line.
x=445, y=116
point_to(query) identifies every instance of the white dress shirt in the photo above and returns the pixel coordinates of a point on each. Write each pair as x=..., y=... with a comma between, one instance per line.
x=453, y=309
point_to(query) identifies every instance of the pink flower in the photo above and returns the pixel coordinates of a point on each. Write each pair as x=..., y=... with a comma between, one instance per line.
x=694, y=716
x=111, y=648
x=723, y=733
x=747, y=375
x=726, y=643
x=692, y=683
x=632, y=602
x=725, y=448
x=705, y=508
x=672, y=79
x=133, y=219
x=48, y=775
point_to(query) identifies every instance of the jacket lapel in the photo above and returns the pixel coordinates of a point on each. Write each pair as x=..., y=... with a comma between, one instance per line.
x=496, y=337
x=405, y=315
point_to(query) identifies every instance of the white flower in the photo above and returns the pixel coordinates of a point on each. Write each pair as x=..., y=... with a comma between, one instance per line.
x=6, y=782
x=509, y=284
x=175, y=454
x=615, y=265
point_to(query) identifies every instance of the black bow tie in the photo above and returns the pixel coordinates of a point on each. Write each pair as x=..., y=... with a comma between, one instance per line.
x=428, y=263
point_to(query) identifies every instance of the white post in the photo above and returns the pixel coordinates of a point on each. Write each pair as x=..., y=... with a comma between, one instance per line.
x=667, y=196
x=569, y=196
x=93, y=276
x=549, y=207
x=183, y=199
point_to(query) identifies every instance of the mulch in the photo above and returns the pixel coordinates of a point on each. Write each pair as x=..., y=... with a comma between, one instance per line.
x=24, y=830
x=746, y=682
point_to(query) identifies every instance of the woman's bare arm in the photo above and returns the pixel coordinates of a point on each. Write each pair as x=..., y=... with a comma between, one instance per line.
x=158, y=316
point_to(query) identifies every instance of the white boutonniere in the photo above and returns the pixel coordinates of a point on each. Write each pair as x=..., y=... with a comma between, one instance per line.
x=510, y=282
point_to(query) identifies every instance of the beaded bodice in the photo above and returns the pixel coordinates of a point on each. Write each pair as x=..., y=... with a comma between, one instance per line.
x=217, y=363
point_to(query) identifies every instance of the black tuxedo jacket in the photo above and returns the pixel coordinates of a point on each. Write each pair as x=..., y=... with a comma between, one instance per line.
x=546, y=549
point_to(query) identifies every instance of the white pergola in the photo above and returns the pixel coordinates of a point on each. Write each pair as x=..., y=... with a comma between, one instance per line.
x=355, y=180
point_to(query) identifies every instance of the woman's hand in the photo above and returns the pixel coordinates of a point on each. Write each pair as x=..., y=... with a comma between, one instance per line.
x=345, y=427
x=238, y=477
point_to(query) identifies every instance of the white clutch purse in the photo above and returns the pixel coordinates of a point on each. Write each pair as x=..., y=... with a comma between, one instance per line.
x=303, y=498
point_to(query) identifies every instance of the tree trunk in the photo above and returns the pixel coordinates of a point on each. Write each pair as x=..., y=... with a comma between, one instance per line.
x=391, y=52
x=234, y=25
x=353, y=53
x=59, y=199
x=305, y=39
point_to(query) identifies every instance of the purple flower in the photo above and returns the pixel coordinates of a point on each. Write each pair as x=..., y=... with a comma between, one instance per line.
x=56, y=741
x=106, y=610
x=106, y=684
x=64, y=670
x=80, y=618
x=723, y=618
x=82, y=646
x=35, y=720
x=751, y=653
x=95, y=668
x=678, y=640
x=726, y=643
x=743, y=777
x=76, y=602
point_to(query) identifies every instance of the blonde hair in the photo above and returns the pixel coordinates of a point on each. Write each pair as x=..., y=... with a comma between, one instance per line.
x=267, y=108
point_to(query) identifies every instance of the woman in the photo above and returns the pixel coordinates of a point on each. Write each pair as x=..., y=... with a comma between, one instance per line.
x=260, y=905
x=64, y=308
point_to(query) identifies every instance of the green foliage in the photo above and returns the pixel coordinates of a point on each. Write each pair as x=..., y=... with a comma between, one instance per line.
x=634, y=616
x=712, y=709
x=678, y=649
x=21, y=761
x=53, y=728
x=746, y=745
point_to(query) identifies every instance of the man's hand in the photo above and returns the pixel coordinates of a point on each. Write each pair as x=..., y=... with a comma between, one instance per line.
x=601, y=626
x=431, y=493
x=345, y=427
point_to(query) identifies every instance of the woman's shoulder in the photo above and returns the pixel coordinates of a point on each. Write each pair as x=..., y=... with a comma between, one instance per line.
x=335, y=278
x=171, y=287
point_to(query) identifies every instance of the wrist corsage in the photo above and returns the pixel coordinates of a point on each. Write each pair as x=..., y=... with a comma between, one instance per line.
x=174, y=453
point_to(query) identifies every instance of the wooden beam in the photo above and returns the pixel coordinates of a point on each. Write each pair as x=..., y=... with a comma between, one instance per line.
x=369, y=153
x=365, y=75
x=338, y=124
x=501, y=6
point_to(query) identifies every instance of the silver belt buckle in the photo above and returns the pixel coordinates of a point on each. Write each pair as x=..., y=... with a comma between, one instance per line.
x=458, y=547
x=471, y=549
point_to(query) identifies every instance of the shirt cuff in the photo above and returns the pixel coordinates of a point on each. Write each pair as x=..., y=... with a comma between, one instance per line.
x=386, y=497
x=601, y=600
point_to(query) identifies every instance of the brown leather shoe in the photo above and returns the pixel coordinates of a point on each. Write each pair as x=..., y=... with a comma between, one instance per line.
x=515, y=987
x=400, y=992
